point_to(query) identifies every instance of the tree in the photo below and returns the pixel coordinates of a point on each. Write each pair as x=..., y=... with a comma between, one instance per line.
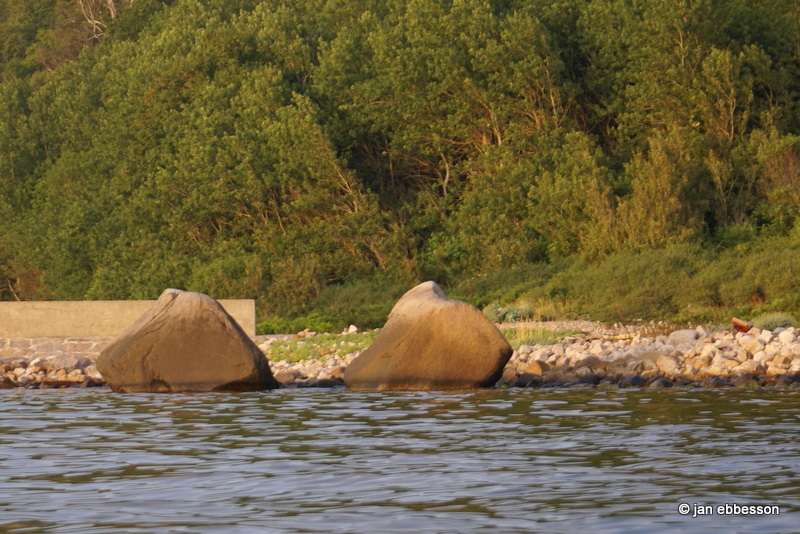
x=724, y=113
x=491, y=226
x=571, y=202
x=776, y=168
x=666, y=204
x=256, y=148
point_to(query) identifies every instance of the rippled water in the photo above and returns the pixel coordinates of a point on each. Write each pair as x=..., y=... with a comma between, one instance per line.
x=92, y=461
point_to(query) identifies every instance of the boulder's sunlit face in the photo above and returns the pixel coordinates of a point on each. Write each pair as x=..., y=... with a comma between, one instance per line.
x=186, y=342
x=431, y=342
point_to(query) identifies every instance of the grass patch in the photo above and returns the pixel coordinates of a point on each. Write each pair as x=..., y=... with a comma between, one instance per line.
x=518, y=336
x=320, y=347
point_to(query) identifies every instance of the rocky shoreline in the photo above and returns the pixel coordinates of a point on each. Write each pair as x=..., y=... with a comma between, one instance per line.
x=50, y=362
x=601, y=356
x=685, y=357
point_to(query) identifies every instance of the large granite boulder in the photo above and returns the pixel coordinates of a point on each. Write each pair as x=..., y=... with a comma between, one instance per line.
x=431, y=342
x=186, y=342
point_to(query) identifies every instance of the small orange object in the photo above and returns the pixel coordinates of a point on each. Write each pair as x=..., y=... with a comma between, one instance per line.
x=741, y=326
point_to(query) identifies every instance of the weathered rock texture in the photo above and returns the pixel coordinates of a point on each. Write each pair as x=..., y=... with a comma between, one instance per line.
x=431, y=342
x=186, y=342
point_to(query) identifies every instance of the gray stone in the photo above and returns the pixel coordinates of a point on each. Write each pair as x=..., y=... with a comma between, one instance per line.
x=534, y=367
x=751, y=344
x=431, y=342
x=683, y=337
x=527, y=380
x=68, y=362
x=762, y=357
x=633, y=381
x=668, y=365
x=509, y=377
x=7, y=383
x=744, y=381
x=714, y=383
x=592, y=362
x=185, y=342
x=765, y=336
x=92, y=372
x=589, y=379
x=559, y=377
x=787, y=337
x=660, y=383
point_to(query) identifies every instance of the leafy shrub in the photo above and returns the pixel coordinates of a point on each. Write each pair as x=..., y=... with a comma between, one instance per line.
x=365, y=303
x=652, y=284
x=313, y=321
x=507, y=285
x=771, y=321
x=678, y=283
x=757, y=278
x=507, y=314
x=494, y=312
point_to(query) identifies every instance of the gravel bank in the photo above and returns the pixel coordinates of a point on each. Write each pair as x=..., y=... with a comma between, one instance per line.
x=601, y=355
x=686, y=357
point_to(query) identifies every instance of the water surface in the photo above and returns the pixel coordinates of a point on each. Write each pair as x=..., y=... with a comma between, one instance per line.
x=525, y=460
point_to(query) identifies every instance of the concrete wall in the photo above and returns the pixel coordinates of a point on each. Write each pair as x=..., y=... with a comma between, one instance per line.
x=94, y=318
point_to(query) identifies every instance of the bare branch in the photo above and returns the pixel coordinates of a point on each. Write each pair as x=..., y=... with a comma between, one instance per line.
x=11, y=288
x=91, y=12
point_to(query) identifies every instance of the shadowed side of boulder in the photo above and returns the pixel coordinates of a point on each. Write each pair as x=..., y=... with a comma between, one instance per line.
x=431, y=342
x=186, y=342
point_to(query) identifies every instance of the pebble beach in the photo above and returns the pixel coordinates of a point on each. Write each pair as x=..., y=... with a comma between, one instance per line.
x=685, y=357
x=599, y=356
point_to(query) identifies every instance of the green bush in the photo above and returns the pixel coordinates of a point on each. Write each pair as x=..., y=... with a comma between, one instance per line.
x=652, y=284
x=365, y=303
x=507, y=314
x=771, y=321
x=757, y=278
x=679, y=283
x=507, y=285
x=313, y=321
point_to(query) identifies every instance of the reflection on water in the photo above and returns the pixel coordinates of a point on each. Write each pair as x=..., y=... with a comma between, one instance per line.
x=335, y=461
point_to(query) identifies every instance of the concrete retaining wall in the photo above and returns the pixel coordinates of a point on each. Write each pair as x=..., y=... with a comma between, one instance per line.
x=94, y=318
x=47, y=347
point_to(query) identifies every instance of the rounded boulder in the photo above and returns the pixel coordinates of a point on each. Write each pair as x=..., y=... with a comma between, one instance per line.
x=431, y=342
x=186, y=342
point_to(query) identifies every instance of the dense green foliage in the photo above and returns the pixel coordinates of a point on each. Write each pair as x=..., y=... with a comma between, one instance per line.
x=313, y=321
x=616, y=158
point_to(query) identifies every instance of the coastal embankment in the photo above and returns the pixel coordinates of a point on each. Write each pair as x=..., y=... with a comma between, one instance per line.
x=597, y=355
